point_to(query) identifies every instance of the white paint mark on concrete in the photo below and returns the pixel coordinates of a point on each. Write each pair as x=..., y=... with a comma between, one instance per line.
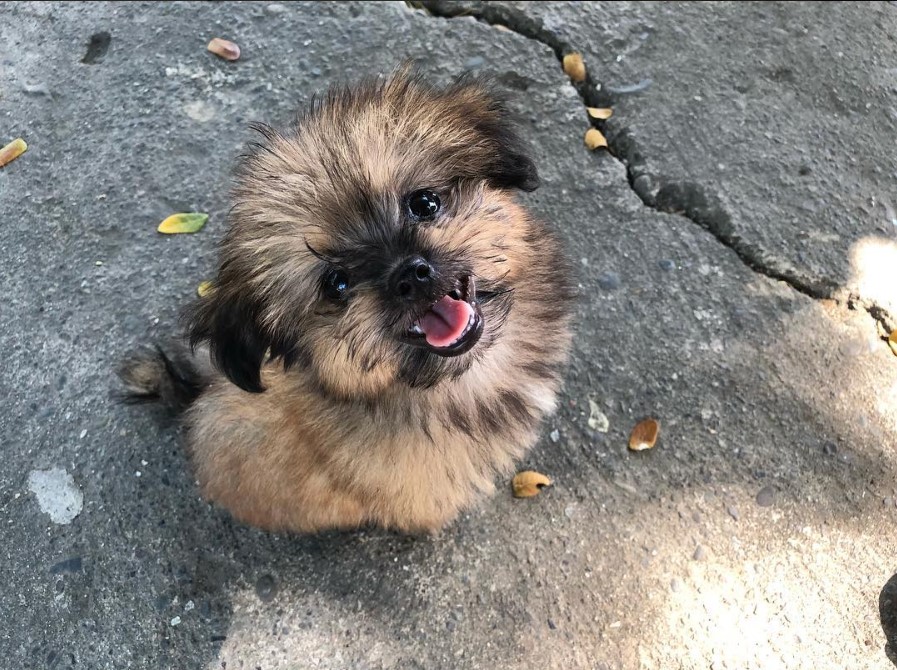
x=199, y=111
x=57, y=494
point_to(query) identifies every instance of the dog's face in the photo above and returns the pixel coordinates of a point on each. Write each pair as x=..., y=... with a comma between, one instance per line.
x=377, y=244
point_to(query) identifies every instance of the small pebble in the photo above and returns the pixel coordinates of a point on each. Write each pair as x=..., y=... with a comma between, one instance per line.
x=570, y=511
x=554, y=435
x=642, y=185
x=597, y=419
x=275, y=8
x=666, y=265
x=609, y=281
x=175, y=621
x=699, y=553
x=675, y=585
x=473, y=63
x=733, y=512
x=266, y=588
x=83, y=434
x=189, y=605
x=551, y=625
x=766, y=496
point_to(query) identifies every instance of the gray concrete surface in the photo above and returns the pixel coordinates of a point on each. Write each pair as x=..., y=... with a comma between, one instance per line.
x=759, y=533
x=762, y=121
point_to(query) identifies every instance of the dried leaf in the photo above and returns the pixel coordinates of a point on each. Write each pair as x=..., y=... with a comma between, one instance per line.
x=189, y=222
x=644, y=435
x=892, y=341
x=575, y=67
x=224, y=49
x=12, y=151
x=527, y=484
x=602, y=113
x=204, y=289
x=595, y=139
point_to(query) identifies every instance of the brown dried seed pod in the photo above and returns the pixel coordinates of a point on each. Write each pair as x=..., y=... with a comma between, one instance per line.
x=595, y=139
x=224, y=48
x=575, y=67
x=528, y=483
x=602, y=113
x=644, y=435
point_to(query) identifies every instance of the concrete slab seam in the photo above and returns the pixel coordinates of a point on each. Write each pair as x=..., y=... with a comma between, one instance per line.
x=686, y=199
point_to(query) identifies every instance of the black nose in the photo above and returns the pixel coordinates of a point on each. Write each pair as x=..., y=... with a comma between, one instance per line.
x=413, y=279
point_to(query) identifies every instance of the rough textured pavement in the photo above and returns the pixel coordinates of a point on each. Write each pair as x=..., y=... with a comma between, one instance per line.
x=736, y=255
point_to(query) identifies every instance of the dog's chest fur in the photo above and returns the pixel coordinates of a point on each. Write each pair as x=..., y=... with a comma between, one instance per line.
x=286, y=460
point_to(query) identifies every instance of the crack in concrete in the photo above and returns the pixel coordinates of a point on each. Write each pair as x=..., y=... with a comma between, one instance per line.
x=686, y=199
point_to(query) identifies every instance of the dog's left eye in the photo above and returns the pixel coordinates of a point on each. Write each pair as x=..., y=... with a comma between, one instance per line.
x=424, y=204
x=336, y=285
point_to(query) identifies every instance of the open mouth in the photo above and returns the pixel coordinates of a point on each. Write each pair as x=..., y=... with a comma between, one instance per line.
x=452, y=324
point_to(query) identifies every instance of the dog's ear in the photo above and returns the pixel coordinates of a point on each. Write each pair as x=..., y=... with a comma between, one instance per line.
x=506, y=162
x=230, y=325
x=511, y=165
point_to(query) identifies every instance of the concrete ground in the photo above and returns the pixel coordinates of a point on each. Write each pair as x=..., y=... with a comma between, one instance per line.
x=736, y=249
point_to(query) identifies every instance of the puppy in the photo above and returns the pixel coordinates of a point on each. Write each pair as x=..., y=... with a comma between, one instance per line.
x=387, y=328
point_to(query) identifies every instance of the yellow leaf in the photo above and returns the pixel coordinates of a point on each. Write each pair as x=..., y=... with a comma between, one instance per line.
x=204, y=289
x=183, y=223
x=892, y=341
x=12, y=151
x=602, y=113
x=528, y=484
x=644, y=435
x=575, y=67
x=224, y=49
x=595, y=139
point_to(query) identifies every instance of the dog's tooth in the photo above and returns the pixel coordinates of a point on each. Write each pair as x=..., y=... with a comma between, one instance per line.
x=416, y=330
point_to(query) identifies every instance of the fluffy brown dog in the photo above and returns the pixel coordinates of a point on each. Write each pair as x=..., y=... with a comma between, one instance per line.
x=388, y=325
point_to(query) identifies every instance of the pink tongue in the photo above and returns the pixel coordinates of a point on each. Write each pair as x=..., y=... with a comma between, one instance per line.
x=445, y=321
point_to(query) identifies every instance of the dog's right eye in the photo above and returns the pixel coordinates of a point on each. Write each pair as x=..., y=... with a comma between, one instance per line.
x=424, y=204
x=336, y=285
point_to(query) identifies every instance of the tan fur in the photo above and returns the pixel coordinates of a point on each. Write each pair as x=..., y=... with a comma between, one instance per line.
x=340, y=439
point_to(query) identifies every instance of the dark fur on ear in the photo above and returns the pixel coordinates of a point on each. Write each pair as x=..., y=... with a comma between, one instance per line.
x=236, y=342
x=510, y=165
